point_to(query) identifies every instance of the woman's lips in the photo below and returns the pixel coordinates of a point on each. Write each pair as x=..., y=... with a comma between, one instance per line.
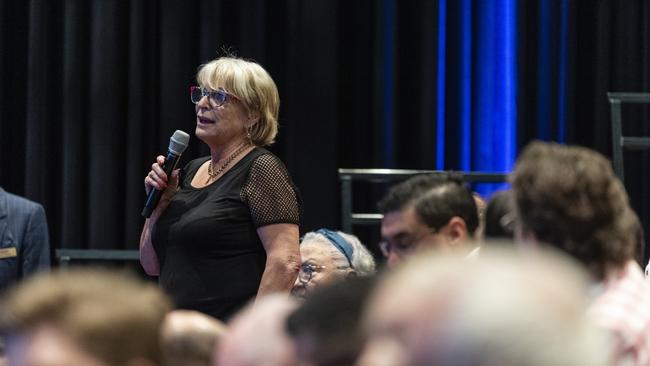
x=204, y=120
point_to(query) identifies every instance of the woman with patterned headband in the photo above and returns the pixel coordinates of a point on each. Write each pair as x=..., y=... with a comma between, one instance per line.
x=329, y=256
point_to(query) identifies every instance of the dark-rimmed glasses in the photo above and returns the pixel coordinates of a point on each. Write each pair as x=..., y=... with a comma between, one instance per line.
x=216, y=97
x=307, y=271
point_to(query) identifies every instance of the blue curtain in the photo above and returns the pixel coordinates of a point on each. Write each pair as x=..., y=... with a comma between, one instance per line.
x=479, y=79
x=552, y=70
x=481, y=117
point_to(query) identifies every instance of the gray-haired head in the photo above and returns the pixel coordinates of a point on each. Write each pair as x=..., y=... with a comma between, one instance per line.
x=361, y=260
x=434, y=311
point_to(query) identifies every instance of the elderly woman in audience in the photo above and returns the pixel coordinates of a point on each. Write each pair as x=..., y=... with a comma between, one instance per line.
x=329, y=256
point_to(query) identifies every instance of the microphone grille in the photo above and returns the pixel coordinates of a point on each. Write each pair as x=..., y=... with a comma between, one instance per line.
x=178, y=142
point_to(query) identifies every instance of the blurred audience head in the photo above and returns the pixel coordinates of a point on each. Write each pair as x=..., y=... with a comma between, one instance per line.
x=329, y=256
x=84, y=317
x=570, y=198
x=326, y=328
x=188, y=338
x=436, y=310
x=426, y=212
x=500, y=216
x=257, y=335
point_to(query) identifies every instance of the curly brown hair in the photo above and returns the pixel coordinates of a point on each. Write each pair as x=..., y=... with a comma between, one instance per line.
x=569, y=197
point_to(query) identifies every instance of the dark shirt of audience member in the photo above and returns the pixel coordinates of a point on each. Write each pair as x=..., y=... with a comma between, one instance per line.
x=24, y=239
x=500, y=216
x=434, y=311
x=427, y=212
x=329, y=256
x=257, y=335
x=326, y=328
x=188, y=338
x=569, y=197
x=84, y=317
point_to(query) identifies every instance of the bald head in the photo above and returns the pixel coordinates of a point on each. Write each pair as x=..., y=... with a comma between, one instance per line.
x=189, y=338
x=436, y=310
x=257, y=335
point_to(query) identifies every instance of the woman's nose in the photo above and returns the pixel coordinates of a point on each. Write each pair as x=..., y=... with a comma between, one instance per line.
x=204, y=102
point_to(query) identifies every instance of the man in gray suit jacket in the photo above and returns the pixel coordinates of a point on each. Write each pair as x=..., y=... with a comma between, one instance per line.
x=24, y=240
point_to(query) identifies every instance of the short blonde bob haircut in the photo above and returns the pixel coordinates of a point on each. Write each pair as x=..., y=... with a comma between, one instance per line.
x=253, y=86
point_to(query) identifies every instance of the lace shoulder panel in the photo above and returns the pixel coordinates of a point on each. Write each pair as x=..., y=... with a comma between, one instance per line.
x=270, y=194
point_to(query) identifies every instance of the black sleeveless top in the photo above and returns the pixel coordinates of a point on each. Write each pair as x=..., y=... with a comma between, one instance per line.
x=211, y=258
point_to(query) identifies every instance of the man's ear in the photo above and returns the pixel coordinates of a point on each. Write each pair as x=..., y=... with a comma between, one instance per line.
x=457, y=230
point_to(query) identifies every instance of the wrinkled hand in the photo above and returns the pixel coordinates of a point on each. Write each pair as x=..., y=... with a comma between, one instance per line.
x=157, y=179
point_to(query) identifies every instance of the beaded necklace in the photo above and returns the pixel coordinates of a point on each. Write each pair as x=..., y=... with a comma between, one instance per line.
x=212, y=173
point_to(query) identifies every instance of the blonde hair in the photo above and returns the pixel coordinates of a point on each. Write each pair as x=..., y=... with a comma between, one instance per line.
x=253, y=86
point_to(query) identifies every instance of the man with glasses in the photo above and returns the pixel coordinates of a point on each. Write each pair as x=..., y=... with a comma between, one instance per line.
x=426, y=212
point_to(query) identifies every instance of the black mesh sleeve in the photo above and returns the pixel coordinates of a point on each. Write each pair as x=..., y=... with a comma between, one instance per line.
x=270, y=194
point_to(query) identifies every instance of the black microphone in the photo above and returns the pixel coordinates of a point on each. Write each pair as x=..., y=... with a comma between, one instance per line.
x=177, y=145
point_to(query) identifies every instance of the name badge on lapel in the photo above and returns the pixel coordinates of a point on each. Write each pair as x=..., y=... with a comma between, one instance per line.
x=8, y=252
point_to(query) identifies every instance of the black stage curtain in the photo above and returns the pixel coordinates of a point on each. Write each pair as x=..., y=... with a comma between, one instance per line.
x=93, y=89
